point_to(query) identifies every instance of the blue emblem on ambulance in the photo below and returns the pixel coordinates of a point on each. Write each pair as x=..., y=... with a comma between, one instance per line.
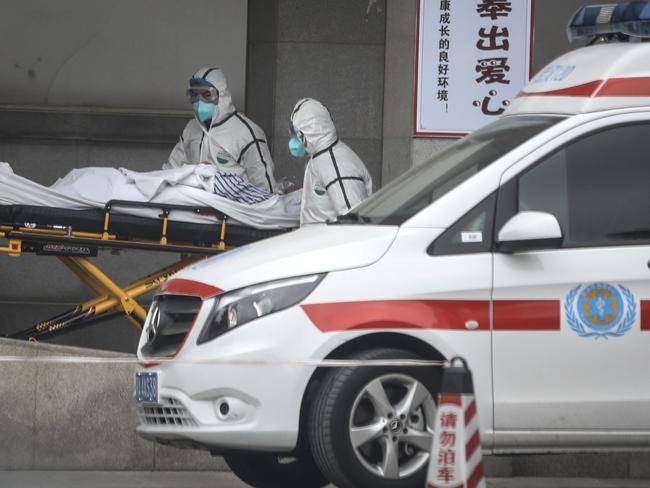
x=600, y=310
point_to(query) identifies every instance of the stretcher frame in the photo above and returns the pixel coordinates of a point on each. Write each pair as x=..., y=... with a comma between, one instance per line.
x=73, y=248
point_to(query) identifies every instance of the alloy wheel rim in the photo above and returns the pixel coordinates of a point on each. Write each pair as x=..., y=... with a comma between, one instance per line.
x=391, y=426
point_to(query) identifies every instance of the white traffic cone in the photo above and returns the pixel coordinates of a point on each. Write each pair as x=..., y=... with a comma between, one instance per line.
x=456, y=458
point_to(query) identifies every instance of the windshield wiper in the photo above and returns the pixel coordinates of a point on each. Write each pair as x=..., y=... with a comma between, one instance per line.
x=352, y=217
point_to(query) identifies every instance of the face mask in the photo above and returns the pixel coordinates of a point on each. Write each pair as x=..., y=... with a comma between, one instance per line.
x=297, y=148
x=204, y=110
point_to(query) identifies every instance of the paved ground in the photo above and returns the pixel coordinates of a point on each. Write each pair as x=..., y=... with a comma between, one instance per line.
x=190, y=479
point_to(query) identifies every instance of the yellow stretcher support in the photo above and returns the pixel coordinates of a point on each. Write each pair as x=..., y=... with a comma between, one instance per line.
x=111, y=296
x=107, y=218
x=222, y=236
x=14, y=247
x=129, y=306
x=105, y=302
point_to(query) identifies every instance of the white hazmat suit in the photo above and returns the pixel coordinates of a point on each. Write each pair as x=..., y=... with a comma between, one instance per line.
x=335, y=178
x=230, y=141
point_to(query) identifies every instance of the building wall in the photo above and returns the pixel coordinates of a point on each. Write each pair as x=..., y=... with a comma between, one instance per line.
x=117, y=54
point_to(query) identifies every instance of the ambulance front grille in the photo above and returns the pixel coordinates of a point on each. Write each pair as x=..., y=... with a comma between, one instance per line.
x=169, y=321
x=170, y=413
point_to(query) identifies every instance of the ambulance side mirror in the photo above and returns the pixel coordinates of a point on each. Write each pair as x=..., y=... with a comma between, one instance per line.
x=529, y=231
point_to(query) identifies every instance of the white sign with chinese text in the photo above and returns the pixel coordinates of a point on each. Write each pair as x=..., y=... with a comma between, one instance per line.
x=473, y=58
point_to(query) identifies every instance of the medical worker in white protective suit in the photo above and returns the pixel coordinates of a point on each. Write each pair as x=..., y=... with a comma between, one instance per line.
x=220, y=135
x=335, y=178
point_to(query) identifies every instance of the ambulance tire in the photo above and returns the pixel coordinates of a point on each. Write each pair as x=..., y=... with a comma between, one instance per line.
x=268, y=470
x=331, y=413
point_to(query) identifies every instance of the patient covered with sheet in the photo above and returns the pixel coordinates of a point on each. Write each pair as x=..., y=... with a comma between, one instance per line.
x=199, y=185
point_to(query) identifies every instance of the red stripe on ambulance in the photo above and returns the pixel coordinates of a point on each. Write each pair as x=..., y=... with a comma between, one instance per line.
x=526, y=315
x=645, y=315
x=638, y=86
x=435, y=314
x=399, y=314
x=626, y=87
x=584, y=90
x=180, y=286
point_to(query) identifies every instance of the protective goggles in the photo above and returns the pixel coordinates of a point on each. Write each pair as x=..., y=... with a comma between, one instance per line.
x=205, y=93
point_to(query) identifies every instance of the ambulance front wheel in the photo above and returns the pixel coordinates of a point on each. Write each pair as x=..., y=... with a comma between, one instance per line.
x=373, y=425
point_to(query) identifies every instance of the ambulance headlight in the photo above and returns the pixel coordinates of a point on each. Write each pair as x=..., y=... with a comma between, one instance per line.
x=626, y=19
x=238, y=307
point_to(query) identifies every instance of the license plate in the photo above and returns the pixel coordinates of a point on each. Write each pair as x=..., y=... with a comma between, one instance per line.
x=146, y=387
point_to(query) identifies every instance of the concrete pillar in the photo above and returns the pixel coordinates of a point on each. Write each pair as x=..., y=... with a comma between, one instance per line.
x=261, y=64
x=398, y=87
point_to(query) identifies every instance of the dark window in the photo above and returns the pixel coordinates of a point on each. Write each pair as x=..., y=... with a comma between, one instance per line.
x=598, y=188
x=471, y=234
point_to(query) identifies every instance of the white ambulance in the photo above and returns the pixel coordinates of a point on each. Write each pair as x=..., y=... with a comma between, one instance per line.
x=524, y=248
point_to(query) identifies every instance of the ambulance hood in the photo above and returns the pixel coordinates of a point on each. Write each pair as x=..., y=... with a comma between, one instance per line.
x=591, y=79
x=311, y=249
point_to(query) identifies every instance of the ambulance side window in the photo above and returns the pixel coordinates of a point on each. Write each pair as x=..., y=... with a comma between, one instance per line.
x=471, y=234
x=598, y=187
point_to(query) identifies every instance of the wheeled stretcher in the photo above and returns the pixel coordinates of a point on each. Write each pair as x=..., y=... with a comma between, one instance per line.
x=74, y=236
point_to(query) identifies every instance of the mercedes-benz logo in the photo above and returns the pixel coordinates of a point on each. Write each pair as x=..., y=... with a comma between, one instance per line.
x=154, y=323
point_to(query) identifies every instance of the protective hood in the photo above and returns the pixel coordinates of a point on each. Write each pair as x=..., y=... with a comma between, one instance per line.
x=311, y=249
x=314, y=120
x=216, y=77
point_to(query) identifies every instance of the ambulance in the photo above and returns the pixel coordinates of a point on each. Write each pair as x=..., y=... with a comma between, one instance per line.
x=524, y=248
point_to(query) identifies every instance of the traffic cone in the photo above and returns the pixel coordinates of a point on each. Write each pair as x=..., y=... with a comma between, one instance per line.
x=456, y=459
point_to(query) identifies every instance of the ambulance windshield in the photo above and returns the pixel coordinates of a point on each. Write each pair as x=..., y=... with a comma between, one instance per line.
x=424, y=184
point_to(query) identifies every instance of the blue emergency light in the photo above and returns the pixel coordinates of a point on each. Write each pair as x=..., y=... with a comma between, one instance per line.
x=611, y=21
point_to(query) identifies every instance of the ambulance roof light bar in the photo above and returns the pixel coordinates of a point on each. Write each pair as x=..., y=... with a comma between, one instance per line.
x=620, y=21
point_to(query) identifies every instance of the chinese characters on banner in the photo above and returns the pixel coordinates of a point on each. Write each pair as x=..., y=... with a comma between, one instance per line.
x=473, y=58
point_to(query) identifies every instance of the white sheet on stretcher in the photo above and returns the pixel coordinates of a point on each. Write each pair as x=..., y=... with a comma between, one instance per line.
x=190, y=185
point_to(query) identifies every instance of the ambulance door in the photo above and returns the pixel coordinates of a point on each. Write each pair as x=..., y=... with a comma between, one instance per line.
x=571, y=323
